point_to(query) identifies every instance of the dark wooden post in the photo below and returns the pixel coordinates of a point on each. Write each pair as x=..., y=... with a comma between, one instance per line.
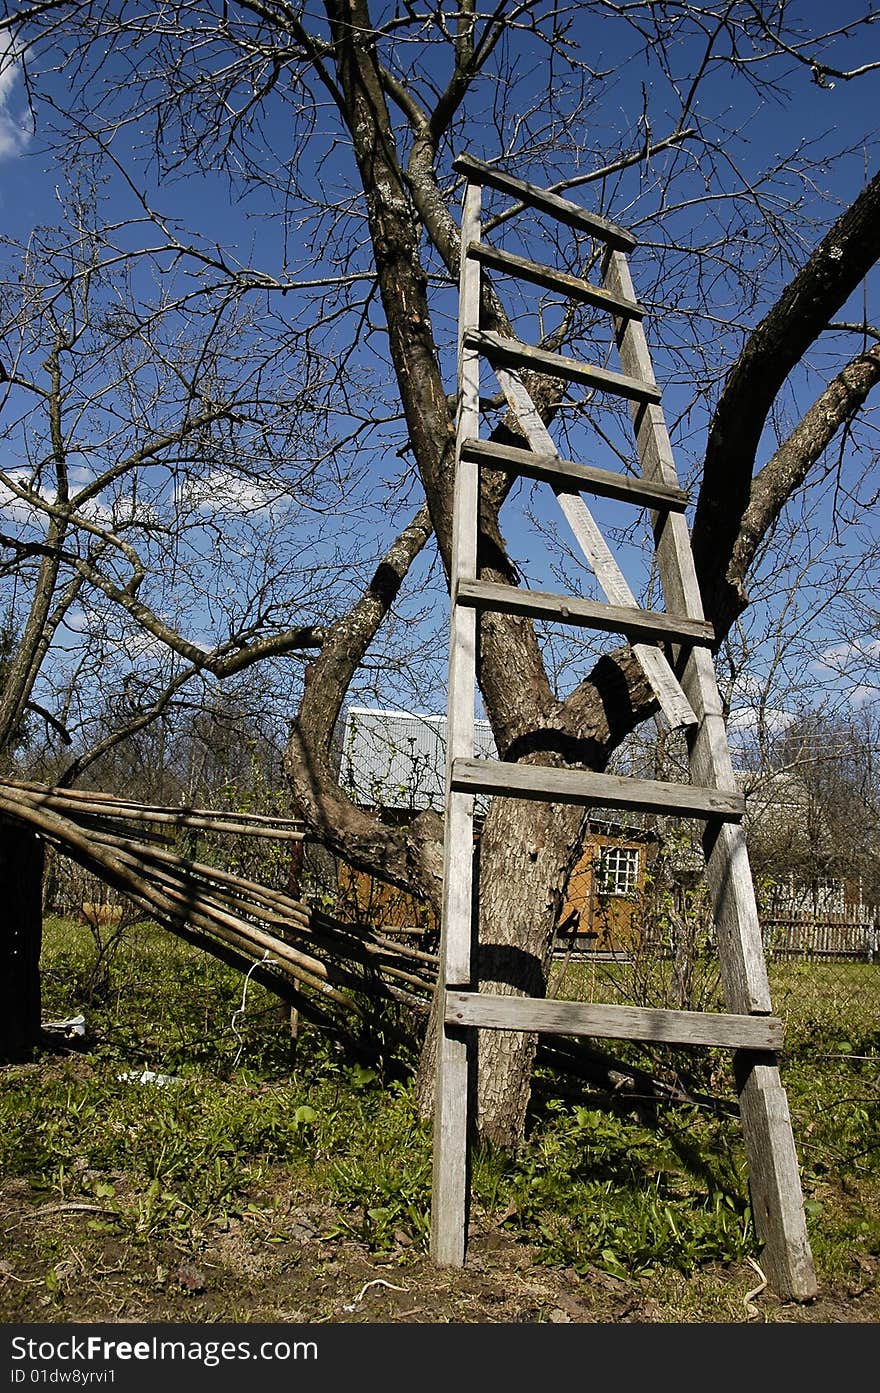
x=21, y=932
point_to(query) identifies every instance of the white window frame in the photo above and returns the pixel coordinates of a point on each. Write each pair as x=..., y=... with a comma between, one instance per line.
x=617, y=872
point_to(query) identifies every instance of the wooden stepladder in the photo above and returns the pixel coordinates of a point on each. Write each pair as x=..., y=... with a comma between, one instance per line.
x=673, y=647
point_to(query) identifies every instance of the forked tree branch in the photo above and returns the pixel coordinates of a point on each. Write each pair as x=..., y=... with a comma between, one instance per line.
x=803, y=311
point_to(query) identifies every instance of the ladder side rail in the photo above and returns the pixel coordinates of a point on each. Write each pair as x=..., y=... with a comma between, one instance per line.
x=463, y=621
x=450, y=1175
x=674, y=556
x=777, y=1198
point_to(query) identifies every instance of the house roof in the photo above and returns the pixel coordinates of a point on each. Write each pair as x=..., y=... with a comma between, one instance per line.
x=397, y=759
x=777, y=796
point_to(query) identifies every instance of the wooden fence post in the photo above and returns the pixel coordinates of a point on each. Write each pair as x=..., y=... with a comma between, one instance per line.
x=21, y=932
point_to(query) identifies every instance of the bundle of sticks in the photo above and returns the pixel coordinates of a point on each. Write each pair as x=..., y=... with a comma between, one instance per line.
x=319, y=964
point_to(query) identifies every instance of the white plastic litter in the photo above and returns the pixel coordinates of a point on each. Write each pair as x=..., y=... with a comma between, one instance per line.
x=147, y=1076
x=75, y=1025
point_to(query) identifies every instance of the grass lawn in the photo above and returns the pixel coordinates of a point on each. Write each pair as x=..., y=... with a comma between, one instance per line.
x=269, y=1179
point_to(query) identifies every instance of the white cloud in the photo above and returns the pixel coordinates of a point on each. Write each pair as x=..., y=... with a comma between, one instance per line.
x=838, y=657
x=751, y=709
x=16, y=129
x=224, y=493
x=78, y=620
x=96, y=512
x=141, y=646
x=128, y=509
x=852, y=663
x=103, y=514
x=14, y=136
x=745, y=720
x=21, y=511
x=18, y=509
x=138, y=645
x=862, y=693
x=8, y=67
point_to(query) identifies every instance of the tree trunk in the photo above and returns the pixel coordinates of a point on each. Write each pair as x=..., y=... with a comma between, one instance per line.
x=527, y=853
x=21, y=930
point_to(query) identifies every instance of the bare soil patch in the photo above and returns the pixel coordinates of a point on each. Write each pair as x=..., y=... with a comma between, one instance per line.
x=281, y=1264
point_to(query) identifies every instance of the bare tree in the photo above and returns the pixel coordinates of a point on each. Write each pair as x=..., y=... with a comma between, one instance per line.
x=814, y=809
x=340, y=125
x=165, y=462
x=159, y=529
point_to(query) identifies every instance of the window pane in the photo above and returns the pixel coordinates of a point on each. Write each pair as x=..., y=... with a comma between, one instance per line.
x=618, y=871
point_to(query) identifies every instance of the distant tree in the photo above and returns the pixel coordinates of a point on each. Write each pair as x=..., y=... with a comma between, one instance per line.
x=819, y=797
x=153, y=485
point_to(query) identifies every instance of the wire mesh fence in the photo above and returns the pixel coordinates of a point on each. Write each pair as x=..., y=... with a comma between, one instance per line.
x=824, y=973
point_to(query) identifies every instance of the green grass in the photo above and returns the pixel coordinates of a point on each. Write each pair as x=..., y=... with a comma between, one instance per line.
x=596, y=1184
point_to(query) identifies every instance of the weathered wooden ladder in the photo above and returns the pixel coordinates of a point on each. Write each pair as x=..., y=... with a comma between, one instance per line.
x=688, y=696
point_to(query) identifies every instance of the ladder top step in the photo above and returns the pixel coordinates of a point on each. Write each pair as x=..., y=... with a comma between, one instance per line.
x=554, y=1017
x=513, y=352
x=574, y=287
x=586, y=788
x=561, y=208
x=569, y=476
x=640, y=625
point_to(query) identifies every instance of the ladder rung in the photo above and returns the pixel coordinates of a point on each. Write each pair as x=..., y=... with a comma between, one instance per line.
x=639, y=625
x=573, y=286
x=588, y=788
x=513, y=353
x=551, y=1017
x=562, y=208
x=582, y=478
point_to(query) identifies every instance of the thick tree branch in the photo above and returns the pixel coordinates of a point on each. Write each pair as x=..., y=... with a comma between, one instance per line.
x=787, y=469
x=406, y=856
x=840, y=262
x=237, y=653
x=508, y=646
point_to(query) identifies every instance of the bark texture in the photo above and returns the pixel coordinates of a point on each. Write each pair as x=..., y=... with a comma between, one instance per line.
x=530, y=851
